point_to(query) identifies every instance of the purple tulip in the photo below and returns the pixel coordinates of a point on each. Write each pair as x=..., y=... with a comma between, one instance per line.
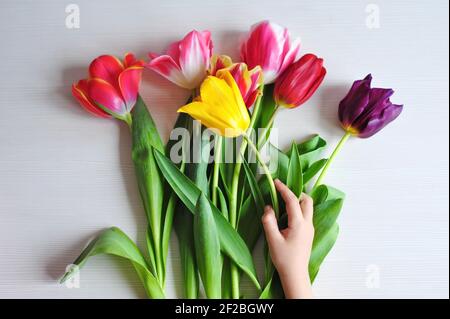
x=365, y=110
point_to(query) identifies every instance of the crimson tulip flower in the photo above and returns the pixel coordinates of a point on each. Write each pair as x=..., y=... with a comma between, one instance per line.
x=299, y=82
x=112, y=87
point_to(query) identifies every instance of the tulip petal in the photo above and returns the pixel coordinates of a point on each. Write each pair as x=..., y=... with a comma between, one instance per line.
x=354, y=103
x=268, y=36
x=220, y=106
x=201, y=111
x=129, y=81
x=242, y=118
x=312, y=83
x=166, y=66
x=217, y=93
x=130, y=60
x=80, y=92
x=106, y=96
x=195, y=52
x=256, y=80
x=378, y=122
x=378, y=100
x=219, y=62
x=291, y=55
x=106, y=67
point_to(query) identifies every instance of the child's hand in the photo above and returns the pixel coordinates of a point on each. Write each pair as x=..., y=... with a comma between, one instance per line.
x=290, y=248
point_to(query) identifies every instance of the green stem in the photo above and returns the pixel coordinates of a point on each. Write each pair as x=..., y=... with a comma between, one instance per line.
x=262, y=140
x=333, y=155
x=233, y=218
x=273, y=191
x=217, y=161
x=128, y=119
x=238, y=165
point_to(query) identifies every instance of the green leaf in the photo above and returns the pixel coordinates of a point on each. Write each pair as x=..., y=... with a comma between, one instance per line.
x=184, y=228
x=282, y=161
x=295, y=174
x=310, y=150
x=115, y=242
x=183, y=220
x=273, y=289
x=328, y=204
x=226, y=166
x=250, y=226
x=207, y=248
x=226, y=279
x=223, y=203
x=249, y=223
x=267, y=108
x=254, y=189
x=145, y=137
x=313, y=169
x=151, y=251
x=144, y=128
x=231, y=243
x=197, y=170
x=321, y=249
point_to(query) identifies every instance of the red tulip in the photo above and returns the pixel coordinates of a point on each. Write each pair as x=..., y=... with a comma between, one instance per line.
x=112, y=87
x=299, y=82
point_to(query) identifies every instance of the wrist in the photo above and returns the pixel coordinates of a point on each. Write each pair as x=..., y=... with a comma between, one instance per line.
x=296, y=284
x=298, y=273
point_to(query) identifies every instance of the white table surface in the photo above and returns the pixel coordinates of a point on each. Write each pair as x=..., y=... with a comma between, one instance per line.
x=65, y=175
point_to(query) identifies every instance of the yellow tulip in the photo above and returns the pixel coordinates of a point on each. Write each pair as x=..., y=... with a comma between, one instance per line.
x=220, y=106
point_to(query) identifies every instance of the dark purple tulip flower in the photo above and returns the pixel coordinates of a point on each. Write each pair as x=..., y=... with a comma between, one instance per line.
x=365, y=110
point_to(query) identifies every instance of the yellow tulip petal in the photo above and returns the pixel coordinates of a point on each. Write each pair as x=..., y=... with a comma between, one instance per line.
x=220, y=106
x=239, y=109
x=201, y=111
x=216, y=92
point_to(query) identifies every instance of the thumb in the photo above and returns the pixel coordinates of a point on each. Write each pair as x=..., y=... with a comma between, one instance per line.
x=270, y=225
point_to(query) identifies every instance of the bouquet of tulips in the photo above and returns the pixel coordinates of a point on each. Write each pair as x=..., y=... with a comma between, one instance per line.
x=211, y=181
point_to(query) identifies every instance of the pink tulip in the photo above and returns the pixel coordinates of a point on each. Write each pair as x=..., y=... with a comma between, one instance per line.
x=269, y=46
x=186, y=61
x=112, y=87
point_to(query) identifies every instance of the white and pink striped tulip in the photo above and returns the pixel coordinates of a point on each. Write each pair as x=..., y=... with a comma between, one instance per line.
x=269, y=46
x=186, y=61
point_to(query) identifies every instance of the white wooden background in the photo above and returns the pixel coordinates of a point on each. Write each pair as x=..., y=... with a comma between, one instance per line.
x=65, y=175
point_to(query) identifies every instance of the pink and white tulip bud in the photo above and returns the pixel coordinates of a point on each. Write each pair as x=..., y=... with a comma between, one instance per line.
x=269, y=46
x=186, y=61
